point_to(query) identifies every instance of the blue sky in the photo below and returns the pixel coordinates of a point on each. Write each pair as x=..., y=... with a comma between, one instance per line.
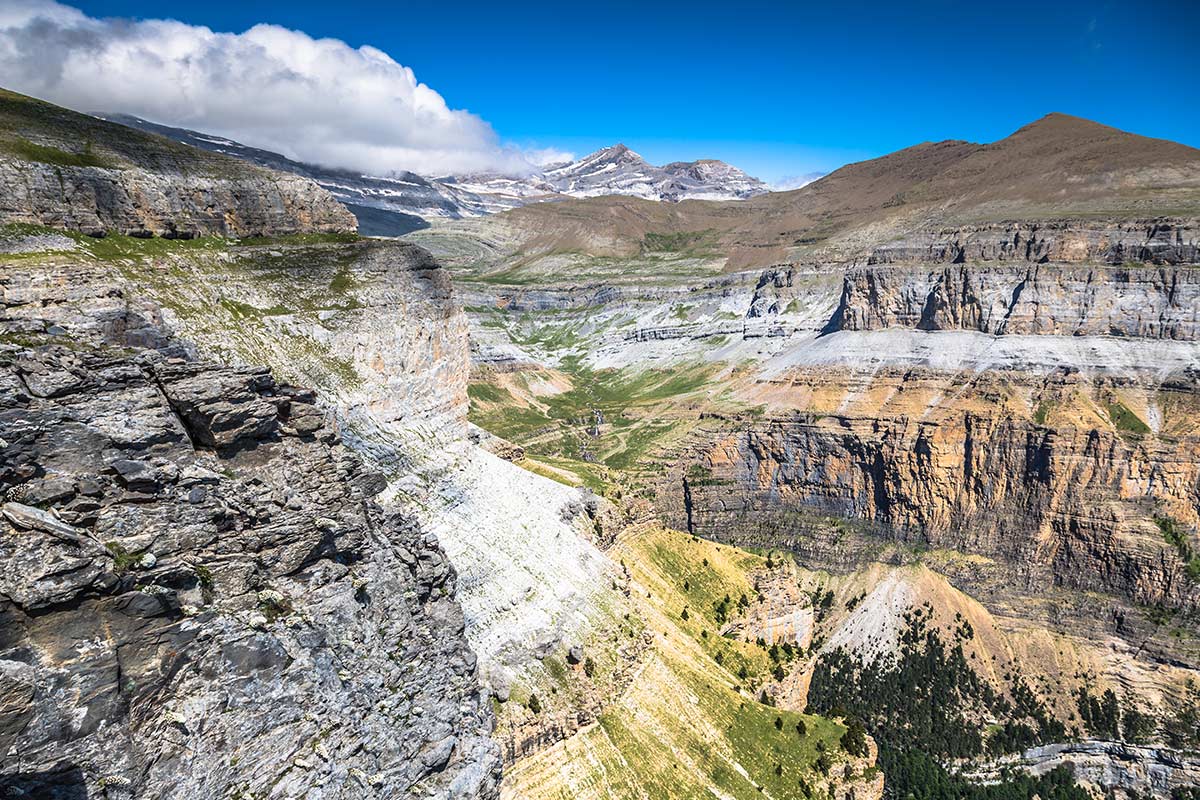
x=777, y=89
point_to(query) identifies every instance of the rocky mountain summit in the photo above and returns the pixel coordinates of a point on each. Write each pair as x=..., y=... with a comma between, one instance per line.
x=1069, y=184
x=618, y=170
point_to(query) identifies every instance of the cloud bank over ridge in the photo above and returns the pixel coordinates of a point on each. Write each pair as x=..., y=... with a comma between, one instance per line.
x=316, y=100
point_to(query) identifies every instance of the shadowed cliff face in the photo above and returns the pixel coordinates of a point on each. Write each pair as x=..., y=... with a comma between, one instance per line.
x=374, y=325
x=135, y=202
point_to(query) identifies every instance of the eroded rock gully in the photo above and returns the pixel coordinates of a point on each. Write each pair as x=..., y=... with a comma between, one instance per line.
x=198, y=595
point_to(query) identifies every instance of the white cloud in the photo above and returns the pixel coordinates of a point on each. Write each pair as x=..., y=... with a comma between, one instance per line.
x=316, y=100
x=789, y=182
x=547, y=156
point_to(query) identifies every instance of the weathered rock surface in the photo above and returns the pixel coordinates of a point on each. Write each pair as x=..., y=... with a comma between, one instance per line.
x=1071, y=504
x=1161, y=303
x=136, y=202
x=68, y=170
x=1151, y=241
x=204, y=600
x=1106, y=766
x=375, y=325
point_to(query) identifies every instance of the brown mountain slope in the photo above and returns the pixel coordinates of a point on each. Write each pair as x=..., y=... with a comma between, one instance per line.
x=1057, y=168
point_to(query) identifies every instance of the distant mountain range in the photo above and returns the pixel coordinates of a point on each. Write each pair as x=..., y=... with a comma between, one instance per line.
x=400, y=202
x=619, y=170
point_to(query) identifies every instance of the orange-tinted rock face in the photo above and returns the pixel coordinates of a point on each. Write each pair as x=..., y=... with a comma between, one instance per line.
x=1069, y=503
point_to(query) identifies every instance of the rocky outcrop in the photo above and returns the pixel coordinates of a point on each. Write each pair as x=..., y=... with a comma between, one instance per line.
x=1068, y=506
x=74, y=171
x=1161, y=303
x=198, y=595
x=1105, y=766
x=248, y=201
x=1153, y=241
x=375, y=325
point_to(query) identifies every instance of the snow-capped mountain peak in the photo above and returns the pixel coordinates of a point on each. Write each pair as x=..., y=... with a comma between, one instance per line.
x=619, y=170
x=392, y=203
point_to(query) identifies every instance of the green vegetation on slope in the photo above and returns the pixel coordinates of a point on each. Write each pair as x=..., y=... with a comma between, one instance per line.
x=1125, y=420
x=34, y=130
x=913, y=775
x=239, y=298
x=695, y=244
x=606, y=420
x=688, y=726
x=44, y=154
x=927, y=705
x=1175, y=536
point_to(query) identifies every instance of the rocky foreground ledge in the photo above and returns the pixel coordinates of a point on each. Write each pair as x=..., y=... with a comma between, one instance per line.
x=198, y=596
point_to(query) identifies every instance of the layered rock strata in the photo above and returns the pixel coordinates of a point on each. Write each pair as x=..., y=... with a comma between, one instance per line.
x=374, y=325
x=1159, y=240
x=67, y=170
x=1068, y=506
x=249, y=201
x=1140, y=301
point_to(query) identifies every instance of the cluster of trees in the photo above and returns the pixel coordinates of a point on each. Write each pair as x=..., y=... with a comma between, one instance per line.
x=1106, y=717
x=721, y=607
x=928, y=697
x=924, y=706
x=1102, y=715
x=822, y=600
x=1027, y=721
x=913, y=775
x=1175, y=535
x=1181, y=730
x=854, y=740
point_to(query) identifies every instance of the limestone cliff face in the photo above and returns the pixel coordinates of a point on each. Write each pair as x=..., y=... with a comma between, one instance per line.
x=1151, y=241
x=136, y=202
x=1071, y=506
x=1105, y=767
x=68, y=170
x=375, y=325
x=198, y=595
x=1162, y=302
